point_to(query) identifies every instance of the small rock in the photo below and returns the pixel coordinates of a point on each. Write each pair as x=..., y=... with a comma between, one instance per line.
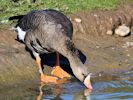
x=129, y=44
x=128, y=55
x=109, y=32
x=113, y=48
x=97, y=47
x=122, y=30
x=95, y=15
x=78, y=20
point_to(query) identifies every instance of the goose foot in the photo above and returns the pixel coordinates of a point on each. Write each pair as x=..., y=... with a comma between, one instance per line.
x=48, y=79
x=59, y=72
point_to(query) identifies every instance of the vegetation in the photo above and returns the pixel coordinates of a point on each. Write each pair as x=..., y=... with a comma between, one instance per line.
x=18, y=7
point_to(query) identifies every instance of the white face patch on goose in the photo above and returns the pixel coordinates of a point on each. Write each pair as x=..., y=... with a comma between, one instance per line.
x=21, y=33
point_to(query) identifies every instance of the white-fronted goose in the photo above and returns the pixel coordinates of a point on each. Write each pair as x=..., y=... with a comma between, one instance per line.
x=45, y=31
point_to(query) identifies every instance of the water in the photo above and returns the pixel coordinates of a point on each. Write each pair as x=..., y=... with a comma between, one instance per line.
x=118, y=88
x=115, y=90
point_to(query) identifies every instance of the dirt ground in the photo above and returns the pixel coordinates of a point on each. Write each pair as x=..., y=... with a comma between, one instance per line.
x=106, y=54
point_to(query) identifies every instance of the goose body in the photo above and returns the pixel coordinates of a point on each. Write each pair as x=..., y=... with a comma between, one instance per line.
x=45, y=31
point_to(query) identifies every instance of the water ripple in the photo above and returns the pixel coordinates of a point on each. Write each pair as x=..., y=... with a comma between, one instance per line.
x=118, y=89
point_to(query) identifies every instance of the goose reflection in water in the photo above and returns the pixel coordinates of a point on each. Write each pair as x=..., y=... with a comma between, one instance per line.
x=58, y=93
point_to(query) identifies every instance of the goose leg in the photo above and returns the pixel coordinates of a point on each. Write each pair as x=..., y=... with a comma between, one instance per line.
x=45, y=78
x=57, y=70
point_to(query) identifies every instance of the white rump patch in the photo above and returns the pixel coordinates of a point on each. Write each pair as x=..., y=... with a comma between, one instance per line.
x=21, y=33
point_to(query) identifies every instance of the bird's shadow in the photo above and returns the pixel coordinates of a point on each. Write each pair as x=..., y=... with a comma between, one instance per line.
x=49, y=59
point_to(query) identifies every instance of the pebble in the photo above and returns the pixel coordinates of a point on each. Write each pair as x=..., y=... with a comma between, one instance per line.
x=127, y=44
x=128, y=55
x=97, y=47
x=78, y=20
x=109, y=32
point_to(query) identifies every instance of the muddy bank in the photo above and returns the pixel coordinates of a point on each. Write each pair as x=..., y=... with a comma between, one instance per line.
x=15, y=63
x=106, y=54
x=103, y=22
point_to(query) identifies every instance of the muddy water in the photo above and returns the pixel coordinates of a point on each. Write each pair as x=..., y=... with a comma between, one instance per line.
x=120, y=88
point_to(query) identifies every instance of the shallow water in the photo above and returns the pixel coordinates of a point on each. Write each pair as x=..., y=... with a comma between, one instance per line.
x=120, y=88
x=102, y=91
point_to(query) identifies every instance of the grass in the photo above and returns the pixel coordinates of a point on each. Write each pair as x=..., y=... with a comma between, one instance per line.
x=17, y=7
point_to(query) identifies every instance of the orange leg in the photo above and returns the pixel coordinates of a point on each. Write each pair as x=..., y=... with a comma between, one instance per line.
x=45, y=78
x=58, y=71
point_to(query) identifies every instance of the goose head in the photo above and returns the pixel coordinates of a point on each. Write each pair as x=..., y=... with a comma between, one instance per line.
x=83, y=76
